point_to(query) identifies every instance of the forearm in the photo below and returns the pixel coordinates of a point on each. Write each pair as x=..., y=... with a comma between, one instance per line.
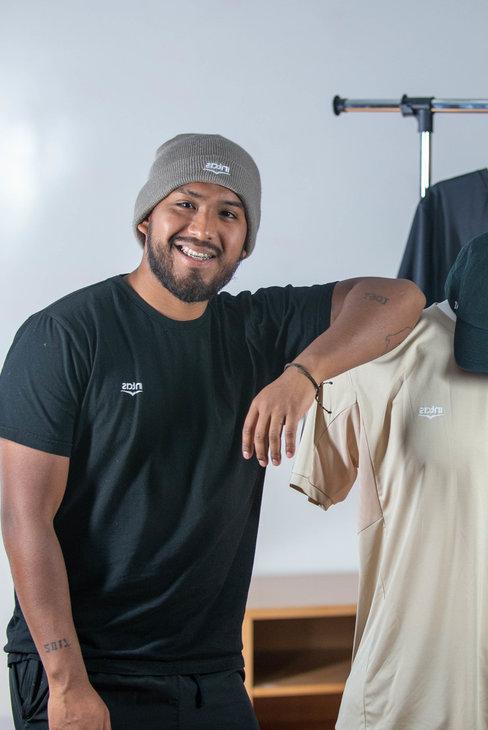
x=369, y=317
x=376, y=316
x=41, y=584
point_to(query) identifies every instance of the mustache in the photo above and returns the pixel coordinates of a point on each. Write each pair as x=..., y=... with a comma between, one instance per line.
x=195, y=243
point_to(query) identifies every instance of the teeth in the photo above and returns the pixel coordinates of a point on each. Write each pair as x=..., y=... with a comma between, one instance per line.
x=194, y=255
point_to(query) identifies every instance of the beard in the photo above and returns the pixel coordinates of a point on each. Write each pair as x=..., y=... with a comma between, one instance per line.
x=192, y=287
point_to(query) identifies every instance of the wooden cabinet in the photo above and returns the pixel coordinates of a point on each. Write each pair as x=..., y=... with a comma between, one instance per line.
x=298, y=634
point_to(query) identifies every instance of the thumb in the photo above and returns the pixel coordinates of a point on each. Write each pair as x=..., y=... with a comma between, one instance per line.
x=107, y=724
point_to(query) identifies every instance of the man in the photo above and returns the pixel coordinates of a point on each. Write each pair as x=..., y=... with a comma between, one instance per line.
x=414, y=427
x=130, y=513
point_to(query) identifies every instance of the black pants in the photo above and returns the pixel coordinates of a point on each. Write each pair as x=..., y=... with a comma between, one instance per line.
x=216, y=701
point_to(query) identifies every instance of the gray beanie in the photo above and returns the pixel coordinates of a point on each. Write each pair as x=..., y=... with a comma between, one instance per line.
x=202, y=158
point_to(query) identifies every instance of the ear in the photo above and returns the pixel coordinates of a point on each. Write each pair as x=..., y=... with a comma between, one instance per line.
x=142, y=227
x=243, y=254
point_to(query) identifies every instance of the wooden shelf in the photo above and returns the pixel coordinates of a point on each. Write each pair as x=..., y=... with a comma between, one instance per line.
x=283, y=673
x=297, y=635
x=302, y=712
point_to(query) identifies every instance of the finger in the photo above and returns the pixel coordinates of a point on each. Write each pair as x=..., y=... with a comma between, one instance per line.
x=275, y=429
x=248, y=432
x=261, y=442
x=107, y=724
x=291, y=426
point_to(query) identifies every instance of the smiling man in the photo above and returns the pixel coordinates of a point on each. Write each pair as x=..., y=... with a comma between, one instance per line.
x=131, y=413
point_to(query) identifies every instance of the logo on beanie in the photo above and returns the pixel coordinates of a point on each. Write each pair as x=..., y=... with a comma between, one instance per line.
x=217, y=168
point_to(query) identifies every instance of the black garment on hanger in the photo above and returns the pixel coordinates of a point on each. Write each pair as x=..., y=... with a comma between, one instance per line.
x=449, y=216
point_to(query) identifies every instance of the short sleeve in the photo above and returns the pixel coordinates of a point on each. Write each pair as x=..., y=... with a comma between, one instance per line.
x=285, y=320
x=41, y=386
x=327, y=460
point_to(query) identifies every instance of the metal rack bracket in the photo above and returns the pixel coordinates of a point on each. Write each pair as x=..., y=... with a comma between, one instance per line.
x=423, y=109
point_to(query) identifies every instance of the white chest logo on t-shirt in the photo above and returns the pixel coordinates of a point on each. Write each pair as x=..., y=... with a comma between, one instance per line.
x=131, y=388
x=431, y=411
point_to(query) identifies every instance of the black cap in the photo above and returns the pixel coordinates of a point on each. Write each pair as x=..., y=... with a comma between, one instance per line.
x=467, y=292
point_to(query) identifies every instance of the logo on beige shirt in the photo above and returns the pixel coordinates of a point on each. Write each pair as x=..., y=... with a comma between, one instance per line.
x=431, y=411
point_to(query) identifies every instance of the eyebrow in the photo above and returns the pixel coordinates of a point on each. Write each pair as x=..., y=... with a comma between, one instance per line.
x=194, y=194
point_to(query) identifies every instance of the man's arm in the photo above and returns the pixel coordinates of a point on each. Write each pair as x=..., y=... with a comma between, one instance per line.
x=369, y=317
x=33, y=485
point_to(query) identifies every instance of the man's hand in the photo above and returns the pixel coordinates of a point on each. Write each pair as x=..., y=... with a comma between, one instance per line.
x=279, y=406
x=369, y=317
x=77, y=708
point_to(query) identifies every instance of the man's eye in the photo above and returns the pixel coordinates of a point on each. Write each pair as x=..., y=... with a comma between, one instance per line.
x=228, y=214
x=184, y=204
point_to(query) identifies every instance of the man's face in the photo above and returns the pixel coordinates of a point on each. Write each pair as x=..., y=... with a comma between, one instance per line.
x=195, y=240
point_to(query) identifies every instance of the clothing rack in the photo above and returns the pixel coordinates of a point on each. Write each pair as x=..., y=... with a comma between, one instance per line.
x=421, y=107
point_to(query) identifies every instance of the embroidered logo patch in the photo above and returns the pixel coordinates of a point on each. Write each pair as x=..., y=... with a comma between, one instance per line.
x=431, y=411
x=131, y=388
x=217, y=168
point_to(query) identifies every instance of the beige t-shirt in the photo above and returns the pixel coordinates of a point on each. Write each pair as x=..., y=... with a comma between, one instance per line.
x=413, y=428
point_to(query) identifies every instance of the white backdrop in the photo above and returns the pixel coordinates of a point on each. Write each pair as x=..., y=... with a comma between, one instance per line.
x=89, y=90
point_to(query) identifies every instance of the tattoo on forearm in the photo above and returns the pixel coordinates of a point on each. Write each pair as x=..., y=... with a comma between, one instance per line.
x=56, y=645
x=396, y=338
x=376, y=298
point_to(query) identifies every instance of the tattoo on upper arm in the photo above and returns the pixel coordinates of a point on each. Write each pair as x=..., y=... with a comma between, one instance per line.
x=56, y=645
x=376, y=298
x=396, y=338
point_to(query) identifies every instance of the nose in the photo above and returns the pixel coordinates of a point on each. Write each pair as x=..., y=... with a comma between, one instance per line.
x=202, y=226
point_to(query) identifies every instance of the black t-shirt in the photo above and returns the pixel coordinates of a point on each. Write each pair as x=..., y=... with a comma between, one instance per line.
x=159, y=520
x=450, y=215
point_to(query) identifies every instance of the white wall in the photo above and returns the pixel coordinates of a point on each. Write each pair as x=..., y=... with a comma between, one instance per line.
x=89, y=90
